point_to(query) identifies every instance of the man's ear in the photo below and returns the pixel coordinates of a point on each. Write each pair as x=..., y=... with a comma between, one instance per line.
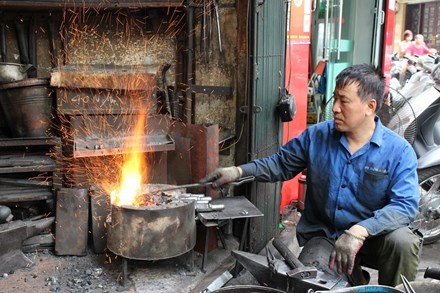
x=371, y=107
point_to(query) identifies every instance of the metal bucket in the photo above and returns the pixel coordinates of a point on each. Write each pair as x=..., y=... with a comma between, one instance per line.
x=27, y=106
x=152, y=232
x=10, y=72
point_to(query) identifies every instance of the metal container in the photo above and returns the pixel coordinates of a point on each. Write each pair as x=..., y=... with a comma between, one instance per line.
x=27, y=106
x=10, y=72
x=152, y=232
x=247, y=289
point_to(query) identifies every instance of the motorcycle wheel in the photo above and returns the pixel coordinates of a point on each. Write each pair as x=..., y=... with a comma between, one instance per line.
x=428, y=219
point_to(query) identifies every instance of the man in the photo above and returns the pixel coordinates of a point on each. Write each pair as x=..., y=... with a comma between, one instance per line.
x=362, y=187
x=418, y=47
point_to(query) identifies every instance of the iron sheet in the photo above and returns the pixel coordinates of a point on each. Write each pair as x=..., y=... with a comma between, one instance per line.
x=235, y=207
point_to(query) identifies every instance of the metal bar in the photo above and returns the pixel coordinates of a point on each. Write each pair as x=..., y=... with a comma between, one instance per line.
x=3, y=41
x=205, y=251
x=25, y=182
x=189, y=101
x=182, y=186
x=341, y=5
x=122, y=150
x=325, y=50
x=241, y=246
x=32, y=49
x=99, y=4
x=406, y=285
x=15, y=142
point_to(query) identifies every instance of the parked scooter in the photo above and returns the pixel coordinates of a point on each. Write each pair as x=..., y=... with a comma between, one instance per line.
x=416, y=116
x=408, y=66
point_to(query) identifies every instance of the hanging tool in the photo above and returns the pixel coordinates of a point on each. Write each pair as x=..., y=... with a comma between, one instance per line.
x=32, y=50
x=164, y=95
x=204, y=33
x=217, y=18
x=22, y=42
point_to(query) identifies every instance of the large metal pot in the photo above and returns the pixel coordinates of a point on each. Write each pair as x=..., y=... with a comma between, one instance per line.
x=27, y=106
x=10, y=72
x=152, y=232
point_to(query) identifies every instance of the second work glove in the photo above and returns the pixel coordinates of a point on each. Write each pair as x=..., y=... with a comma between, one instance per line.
x=222, y=176
x=344, y=252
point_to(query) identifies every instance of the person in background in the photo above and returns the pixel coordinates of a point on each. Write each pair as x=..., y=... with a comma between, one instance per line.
x=418, y=47
x=407, y=40
x=362, y=186
x=415, y=48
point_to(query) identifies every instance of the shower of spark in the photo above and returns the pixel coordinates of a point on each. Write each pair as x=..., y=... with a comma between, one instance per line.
x=127, y=38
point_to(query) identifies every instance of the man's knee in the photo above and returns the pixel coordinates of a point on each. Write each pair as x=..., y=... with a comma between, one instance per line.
x=403, y=241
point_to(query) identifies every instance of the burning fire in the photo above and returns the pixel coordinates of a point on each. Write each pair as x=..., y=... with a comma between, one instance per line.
x=133, y=171
x=121, y=38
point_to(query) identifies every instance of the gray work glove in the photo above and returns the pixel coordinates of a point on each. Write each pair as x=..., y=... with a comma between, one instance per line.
x=344, y=252
x=222, y=176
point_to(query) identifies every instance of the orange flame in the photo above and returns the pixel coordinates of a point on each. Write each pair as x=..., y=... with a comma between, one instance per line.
x=133, y=171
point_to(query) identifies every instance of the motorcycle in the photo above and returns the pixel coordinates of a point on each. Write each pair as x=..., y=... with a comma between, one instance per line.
x=403, y=69
x=414, y=113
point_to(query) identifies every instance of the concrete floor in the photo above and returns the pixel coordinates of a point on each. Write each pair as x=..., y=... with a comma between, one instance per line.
x=94, y=273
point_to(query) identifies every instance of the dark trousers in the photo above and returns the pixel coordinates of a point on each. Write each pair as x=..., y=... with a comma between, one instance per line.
x=392, y=254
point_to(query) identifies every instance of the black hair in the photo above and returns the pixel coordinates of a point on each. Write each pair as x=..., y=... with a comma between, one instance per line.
x=369, y=79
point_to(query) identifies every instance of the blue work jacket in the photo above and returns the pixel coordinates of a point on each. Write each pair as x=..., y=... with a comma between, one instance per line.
x=376, y=187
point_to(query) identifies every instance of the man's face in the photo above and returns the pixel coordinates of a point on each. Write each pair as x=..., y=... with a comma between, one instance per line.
x=419, y=40
x=349, y=112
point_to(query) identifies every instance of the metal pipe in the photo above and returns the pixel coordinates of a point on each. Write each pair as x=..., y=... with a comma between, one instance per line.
x=189, y=101
x=341, y=6
x=254, y=65
x=325, y=53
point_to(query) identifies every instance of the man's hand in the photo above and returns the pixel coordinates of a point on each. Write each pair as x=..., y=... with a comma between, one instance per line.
x=222, y=176
x=344, y=252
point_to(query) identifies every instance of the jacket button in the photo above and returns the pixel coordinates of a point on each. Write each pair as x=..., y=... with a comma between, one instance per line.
x=343, y=185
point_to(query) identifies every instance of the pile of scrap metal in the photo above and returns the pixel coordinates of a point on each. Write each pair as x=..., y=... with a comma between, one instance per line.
x=16, y=235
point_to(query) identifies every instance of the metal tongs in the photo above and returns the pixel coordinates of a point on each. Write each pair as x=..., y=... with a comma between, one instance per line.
x=406, y=285
x=237, y=182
